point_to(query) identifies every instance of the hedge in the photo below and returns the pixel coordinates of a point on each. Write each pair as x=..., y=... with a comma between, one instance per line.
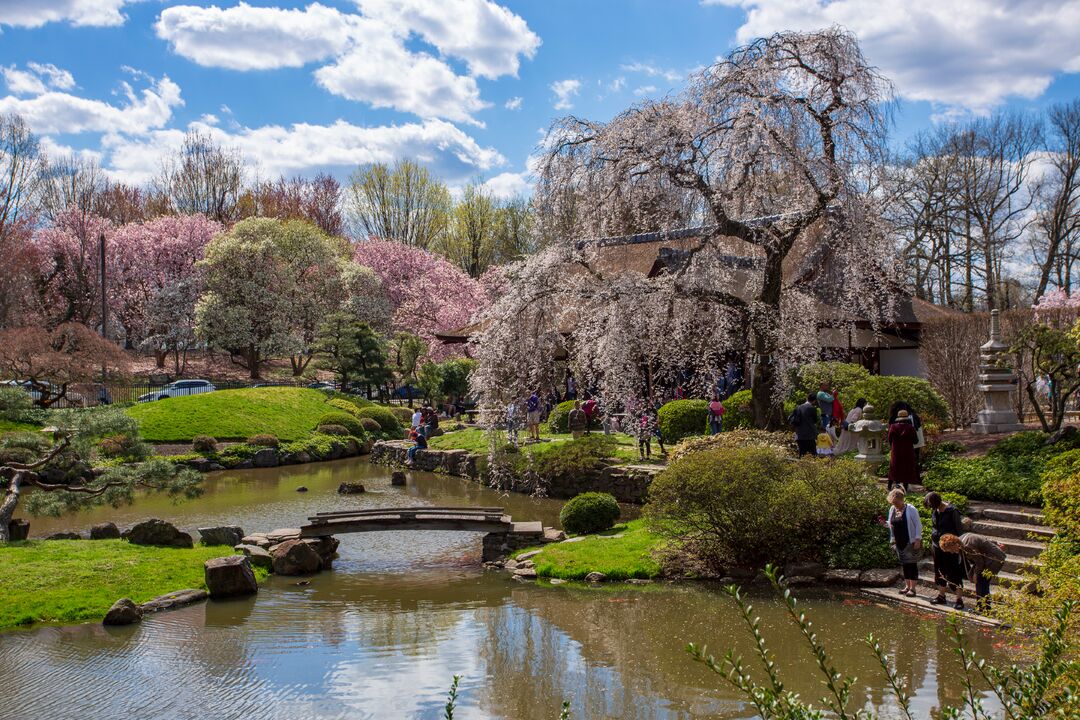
x=386, y=419
x=683, y=418
x=589, y=513
x=345, y=420
x=882, y=391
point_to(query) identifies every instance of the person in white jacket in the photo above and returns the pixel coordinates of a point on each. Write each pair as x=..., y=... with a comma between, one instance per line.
x=905, y=536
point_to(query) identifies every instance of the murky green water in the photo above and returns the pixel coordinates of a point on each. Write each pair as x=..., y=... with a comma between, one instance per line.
x=402, y=612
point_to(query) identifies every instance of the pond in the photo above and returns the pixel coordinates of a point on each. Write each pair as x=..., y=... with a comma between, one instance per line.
x=382, y=635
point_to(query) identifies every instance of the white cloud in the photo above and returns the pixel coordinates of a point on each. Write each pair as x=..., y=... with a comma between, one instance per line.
x=303, y=147
x=513, y=103
x=36, y=79
x=565, y=90
x=58, y=112
x=488, y=37
x=508, y=184
x=964, y=54
x=35, y=13
x=256, y=38
x=645, y=90
x=617, y=84
x=672, y=76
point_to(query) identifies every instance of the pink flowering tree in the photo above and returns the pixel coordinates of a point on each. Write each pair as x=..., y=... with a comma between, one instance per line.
x=1057, y=308
x=69, y=270
x=155, y=279
x=427, y=293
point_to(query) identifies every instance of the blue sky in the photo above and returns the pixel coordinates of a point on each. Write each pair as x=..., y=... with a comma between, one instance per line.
x=466, y=86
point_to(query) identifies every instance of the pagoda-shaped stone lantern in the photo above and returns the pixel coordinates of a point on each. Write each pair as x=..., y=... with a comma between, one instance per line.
x=997, y=382
x=868, y=432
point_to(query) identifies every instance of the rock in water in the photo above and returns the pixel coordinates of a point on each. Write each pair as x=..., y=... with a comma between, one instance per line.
x=222, y=535
x=18, y=529
x=595, y=577
x=158, y=532
x=302, y=488
x=64, y=536
x=105, y=531
x=122, y=612
x=230, y=576
x=295, y=557
x=265, y=458
x=350, y=489
x=172, y=600
x=397, y=478
x=256, y=555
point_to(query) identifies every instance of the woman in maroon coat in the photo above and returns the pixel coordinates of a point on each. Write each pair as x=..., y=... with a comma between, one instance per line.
x=902, y=462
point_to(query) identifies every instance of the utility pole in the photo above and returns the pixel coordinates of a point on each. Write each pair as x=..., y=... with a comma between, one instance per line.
x=104, y=308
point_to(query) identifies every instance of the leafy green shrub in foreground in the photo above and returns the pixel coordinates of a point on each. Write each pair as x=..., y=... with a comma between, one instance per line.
x=748, y=506
x=882, y=391
x=683, y=418
x=869, y=549
x=203, y=444
x=558, y=420
x=386, y=419
x=353, y=424
x=589, y=513
x=1061, y=493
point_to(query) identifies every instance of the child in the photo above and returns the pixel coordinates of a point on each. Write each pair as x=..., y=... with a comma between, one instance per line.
x=826, y=441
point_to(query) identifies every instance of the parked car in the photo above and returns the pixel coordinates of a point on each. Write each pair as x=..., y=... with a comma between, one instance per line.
x=179, y=388
x=70, y=398
x=322, y=385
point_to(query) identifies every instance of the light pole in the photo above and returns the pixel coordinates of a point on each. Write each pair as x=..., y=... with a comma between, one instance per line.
x=104, y=307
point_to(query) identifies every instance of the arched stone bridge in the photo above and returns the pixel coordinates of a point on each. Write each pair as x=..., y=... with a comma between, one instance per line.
x=502, y=535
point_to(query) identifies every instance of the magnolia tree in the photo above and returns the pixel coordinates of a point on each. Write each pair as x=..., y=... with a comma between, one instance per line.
x=428, y=294
x=69, y=268
x=772, y=148
x=53, y=360
x=155, y=279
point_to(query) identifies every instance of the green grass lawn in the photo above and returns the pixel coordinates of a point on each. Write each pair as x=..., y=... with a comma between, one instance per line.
x=14, y=426
x=620, y=558
x=289, y=413
x=70, y=581
x=475, y=441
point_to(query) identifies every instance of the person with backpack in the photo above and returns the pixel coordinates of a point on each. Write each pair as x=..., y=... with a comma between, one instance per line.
x=804, y=420
x=945, y=519
x=576, y=421
x=716, y=415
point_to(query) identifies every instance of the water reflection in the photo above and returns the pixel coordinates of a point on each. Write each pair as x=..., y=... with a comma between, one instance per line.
x=382, y=635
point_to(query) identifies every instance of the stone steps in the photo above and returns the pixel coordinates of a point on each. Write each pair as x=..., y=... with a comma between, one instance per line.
x=1017, y=515
x=998, y=529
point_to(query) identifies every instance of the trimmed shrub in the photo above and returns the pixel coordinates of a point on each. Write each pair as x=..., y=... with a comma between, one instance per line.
x=124, y=446
x=1061, y=493
x=782, y=441
x=839, y=375
x=589, y=513
x=352, y=424
x=203, y=444
x=882, y=391
x=264, y=440
x=559, y=418
x=748, y=506
x=573, y=458
x=17, y=405
x=370, y=425
x=345, y=406
x=403, y=414
x=386, y=419
x=333, y=430
x=683, y=418
x=738, y=410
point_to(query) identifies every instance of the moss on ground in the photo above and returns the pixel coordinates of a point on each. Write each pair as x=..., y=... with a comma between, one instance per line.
x=71, y=581
x=624, y=552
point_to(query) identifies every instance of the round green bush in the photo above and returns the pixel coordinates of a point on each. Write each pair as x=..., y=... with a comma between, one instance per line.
x=739, y=410
x=264, y=440
x=683, y=418
x=386, y=419
x=589, y=513
x=558, y=420
x=403, y=414
x=839, y=375
x=882, y=391
x=204, y=444
x=345, y=420
x=121, y=445
x=370, y=424
x=345, y=406
x=333, y=429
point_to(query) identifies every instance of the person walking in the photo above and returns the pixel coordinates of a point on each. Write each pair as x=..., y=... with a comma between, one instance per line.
x=902, y=461
x=905, y=537
x=532, y=416
x=982, y=558
x=716, y=415
x=804, y=420
x=825, y=400
x=576, y=420
x=590, y=408
x=848, y=442
x=945, y=519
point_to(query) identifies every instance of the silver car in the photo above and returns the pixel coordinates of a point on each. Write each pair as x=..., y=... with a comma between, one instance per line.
x=179, y=388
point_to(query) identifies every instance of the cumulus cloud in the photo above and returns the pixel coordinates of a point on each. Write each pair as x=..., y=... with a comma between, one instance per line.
x=513, y=103
x=60, y=112
x=35, y=13
x=645, y=90
x=369, y=59
x=36, y=79
x=303, y=147
x=962, y=55
x=256, y=38
x=672, y=76
x=508, y=184
x=565, y=90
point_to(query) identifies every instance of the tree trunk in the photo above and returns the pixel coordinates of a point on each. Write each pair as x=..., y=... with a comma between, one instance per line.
x=768, y=411
x=254, y=362
x=7, y=508
x=159, y=358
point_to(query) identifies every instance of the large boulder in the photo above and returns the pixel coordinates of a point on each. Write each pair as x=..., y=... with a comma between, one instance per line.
x=172, y=600
x=265, y=458
x=18, y=529
x=397, y=478
x=326, y=547
x=105, y=531
x=157, y=532
x=257, y=556
x=295, y=557
x=282, y=534
x=122, y=612
x=64, y=536
x=258, y=539
x=221, y=535
x=230, y=576
x=348, y=488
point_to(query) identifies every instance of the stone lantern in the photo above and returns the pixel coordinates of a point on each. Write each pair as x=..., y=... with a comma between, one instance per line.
x=997, y=383
x=868, y=433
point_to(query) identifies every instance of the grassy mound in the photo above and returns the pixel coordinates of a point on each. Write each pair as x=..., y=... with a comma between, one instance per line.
x=621, y=553
x=288, y=413
x=70, y=581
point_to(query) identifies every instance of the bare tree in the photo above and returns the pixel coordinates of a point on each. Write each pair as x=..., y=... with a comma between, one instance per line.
x=1057, y=234
x=72, y=182
x=950, y=349
x=21, y=164
x=404, y=203
x=770, y=142
x=202, y=177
